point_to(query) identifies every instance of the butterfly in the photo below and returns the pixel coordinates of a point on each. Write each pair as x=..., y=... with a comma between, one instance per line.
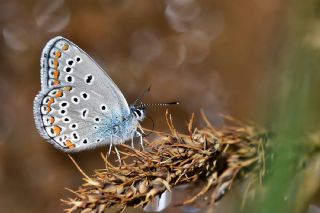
x=79, y=107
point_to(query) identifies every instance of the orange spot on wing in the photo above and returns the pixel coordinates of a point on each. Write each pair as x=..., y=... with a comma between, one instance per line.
x=52, y=119
x=65, y=47
x=56, y=74
x=51, y=101
x=56, y=63
x=49, y=109
x=56, y=82
x=59, y=93
x=69, y=144
x=57, y=130
x=58, y=54
x=67, y=88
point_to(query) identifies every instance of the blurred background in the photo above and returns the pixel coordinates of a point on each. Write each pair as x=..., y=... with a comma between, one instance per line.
x=221, y=56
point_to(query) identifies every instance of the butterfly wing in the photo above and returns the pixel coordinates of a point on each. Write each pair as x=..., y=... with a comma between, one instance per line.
x=76, y=99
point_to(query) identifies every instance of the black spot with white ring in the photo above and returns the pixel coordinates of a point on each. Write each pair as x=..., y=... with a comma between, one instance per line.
x=62, y=112
x=73, y=126
x=84, y=95
x=66, y=119
x=70, y=62
x=70, y=78
x=78, y=59
x=103, y=108
x=68, y=69
x=75, y=99
x=84, y=113
x=75, y=135
x=64, y=104
x=89, y=79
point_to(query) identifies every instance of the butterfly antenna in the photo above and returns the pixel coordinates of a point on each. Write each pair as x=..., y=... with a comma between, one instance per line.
x=160, y=104
x=141, y=96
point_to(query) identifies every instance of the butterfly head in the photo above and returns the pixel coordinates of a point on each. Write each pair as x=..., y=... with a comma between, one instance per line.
x=139, y=112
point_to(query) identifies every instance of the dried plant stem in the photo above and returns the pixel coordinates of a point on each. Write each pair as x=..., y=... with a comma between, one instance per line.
x=215, y=157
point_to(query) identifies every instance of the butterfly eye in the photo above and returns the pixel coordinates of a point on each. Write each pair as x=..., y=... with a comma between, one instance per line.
x=138, y=112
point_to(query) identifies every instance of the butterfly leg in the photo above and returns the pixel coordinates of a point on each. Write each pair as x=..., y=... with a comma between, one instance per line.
x=110, y=147
x=140, y=135
x=132, y=143
x=115, y=148
x=141, y=141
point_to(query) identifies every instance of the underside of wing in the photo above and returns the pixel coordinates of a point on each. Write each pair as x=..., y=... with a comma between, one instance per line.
x=64, y=63
x=78, y=102
x=71, y=122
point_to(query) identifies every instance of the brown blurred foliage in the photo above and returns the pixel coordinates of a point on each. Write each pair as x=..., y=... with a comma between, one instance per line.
x=207, y=54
